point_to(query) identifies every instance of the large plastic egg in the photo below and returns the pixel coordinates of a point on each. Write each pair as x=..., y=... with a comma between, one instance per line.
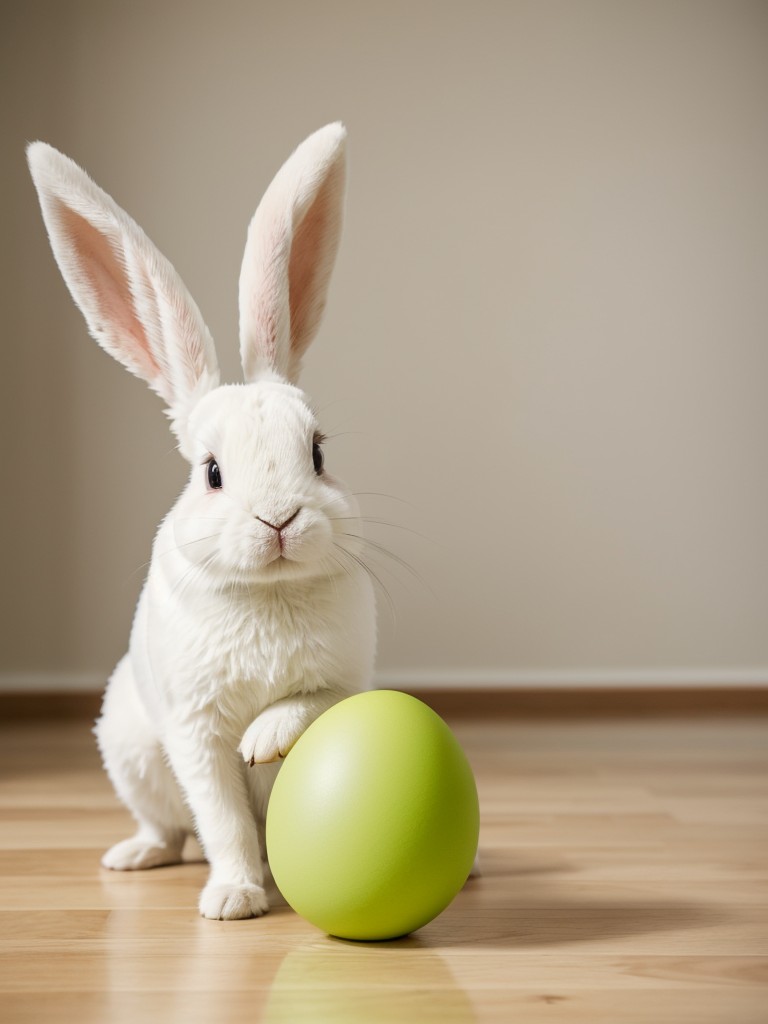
x=373, y=821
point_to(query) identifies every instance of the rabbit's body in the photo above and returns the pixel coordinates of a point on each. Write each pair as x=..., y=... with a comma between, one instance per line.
x=192, y=693
x=257, y=613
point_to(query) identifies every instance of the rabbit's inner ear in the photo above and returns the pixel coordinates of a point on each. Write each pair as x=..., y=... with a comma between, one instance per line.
x=289, y=255
x=107, y=291
x=310, y=265
x=264, y=305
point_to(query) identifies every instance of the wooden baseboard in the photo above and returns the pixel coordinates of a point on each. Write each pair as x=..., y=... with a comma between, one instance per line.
x=53, y=705
x=598, y=702
x=571, y=702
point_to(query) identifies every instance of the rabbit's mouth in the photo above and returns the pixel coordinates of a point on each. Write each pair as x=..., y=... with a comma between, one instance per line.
x=281, y=566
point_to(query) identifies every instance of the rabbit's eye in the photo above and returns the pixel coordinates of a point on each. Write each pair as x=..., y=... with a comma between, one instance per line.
x=317, y=457
x=213, y=474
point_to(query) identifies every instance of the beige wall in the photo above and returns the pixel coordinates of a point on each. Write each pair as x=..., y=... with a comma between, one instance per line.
x=547, y=329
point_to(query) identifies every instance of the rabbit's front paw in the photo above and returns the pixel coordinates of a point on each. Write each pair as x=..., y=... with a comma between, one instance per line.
x=271, y=735
x=233, y=902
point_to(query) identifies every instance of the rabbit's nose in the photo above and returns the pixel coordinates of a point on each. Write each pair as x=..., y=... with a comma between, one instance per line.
x=284, y=523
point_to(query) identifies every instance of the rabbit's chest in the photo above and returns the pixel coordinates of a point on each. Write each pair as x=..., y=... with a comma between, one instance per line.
x=273, y=646
x=247, y=651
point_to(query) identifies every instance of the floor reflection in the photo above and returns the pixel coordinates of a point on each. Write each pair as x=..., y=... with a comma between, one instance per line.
x=335, y=982
x=186, y=970
x=167, y=963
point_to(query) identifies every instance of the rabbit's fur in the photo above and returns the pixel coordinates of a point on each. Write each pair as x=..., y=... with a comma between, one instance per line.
x=257, y=614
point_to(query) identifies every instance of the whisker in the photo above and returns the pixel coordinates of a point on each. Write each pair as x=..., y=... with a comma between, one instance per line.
x=190, y=574
x=188, y=578
x=231, y=598
x=344, y=433
x=361, y=494
x=136, y=571
x=341, y=565
x=370, y=572
x=186, y=519
x=331, y=577
x=366, y=568
x=170, y=551
x=185, y=544
x=383, y=522
x=380, y=494
x=390, y=554
x=321, y=410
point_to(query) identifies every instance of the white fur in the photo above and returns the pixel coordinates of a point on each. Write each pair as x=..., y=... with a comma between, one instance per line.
x=243, y=635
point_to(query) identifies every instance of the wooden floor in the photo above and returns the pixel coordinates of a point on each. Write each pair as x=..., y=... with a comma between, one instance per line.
x=625, y=881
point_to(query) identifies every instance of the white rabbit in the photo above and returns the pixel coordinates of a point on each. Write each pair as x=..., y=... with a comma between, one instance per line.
x=257, y=614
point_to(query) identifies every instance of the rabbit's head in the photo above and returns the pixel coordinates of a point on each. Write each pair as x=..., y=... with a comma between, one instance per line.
x=259, y=504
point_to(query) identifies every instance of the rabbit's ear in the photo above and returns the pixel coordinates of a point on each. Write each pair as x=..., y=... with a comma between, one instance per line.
x=134, y=302
x=289, y=256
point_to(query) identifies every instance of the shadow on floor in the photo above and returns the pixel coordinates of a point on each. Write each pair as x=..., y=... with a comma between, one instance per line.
x=515, y=908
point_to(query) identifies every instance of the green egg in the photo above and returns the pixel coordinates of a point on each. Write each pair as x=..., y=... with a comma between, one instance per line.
x=373, y=821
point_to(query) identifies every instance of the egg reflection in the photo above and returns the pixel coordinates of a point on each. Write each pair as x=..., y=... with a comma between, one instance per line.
x=332, y=982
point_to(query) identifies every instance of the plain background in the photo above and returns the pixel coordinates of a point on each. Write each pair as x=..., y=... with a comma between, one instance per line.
x=546, y=332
